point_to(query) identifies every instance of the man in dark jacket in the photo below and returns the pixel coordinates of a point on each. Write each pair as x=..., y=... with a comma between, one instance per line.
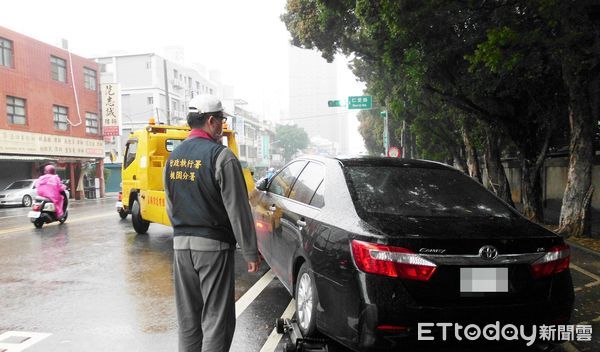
x=207, y=203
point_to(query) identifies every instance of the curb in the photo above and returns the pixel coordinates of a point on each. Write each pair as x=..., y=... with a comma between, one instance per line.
x=587, y=250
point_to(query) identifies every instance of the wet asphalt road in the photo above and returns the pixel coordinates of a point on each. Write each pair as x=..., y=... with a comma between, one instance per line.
x=92, y=284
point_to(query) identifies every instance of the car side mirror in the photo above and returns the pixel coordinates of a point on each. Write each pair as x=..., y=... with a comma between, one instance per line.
x=262, y=184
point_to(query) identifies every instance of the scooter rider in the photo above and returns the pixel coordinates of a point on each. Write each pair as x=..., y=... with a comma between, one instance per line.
x=49, y=185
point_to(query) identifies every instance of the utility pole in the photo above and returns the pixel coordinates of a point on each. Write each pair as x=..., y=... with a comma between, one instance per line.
x=386, y=141
x=167, y=92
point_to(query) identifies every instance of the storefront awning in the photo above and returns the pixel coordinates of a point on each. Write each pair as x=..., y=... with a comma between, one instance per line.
x=26, y=158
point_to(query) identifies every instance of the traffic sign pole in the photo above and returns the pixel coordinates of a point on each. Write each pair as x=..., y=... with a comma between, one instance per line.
x=386, y=141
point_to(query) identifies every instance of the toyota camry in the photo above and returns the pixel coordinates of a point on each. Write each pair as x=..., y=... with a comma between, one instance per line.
x=372, y=247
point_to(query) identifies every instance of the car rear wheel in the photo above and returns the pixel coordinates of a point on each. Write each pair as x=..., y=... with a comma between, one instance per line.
x=306, y=301
x=139, y=224
x=26, y=200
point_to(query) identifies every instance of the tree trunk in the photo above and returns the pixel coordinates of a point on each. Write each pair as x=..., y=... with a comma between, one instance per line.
x=493, y=164
x=472, y=158
x=531, y=190
x=459, y=158
x=576, y=207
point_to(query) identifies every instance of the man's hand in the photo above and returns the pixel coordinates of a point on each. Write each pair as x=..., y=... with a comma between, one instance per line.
x=253, y=266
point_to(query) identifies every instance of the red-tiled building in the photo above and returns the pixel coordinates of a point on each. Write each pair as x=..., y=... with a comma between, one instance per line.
x=49, y=112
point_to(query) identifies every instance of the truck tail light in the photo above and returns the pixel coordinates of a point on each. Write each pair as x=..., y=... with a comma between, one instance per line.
x=553, y=262
x=391, y=261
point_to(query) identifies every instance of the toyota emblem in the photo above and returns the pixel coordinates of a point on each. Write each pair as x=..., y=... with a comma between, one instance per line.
x=488, y=252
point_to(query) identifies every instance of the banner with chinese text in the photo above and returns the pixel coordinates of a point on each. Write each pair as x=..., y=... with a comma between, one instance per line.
x=111, y=109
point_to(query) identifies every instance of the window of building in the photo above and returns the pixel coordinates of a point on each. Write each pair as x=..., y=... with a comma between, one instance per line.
x=175, y=74
x=250, y=133
x=89, y=76
x=60, y=118
x=15, y=111
x=150, y=100
x=59, y=69
x=148, y=65
x=211, y=91
x=91, y=123
x=6, y=52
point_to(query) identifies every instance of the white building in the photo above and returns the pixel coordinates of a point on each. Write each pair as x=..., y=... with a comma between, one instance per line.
x=313, y=82
x=153, y=86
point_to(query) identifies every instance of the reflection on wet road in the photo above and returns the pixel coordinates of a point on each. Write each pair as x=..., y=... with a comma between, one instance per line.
x=92, y=284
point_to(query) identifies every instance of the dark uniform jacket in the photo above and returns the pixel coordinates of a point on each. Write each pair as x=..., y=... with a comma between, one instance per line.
x=207, y=199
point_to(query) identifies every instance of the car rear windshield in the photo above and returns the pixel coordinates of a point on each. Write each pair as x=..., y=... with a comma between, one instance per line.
x=411, y=191
x=19, y=185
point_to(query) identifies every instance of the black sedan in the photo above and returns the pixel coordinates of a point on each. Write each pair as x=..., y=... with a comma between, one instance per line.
x=378, y=251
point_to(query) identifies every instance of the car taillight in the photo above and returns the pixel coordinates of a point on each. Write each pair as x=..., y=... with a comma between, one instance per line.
x=36, y=207
x=391, y=261
x=553, y=262
x=120, y=197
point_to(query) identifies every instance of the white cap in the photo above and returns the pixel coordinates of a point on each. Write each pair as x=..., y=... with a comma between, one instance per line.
x=204, y=103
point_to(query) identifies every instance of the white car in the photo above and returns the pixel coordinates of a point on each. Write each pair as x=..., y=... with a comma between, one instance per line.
x=19, y=192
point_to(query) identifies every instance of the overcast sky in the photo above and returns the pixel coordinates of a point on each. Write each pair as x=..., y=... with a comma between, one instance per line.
x=244, y=39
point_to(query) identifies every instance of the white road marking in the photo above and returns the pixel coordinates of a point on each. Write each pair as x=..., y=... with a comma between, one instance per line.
x=13, y=216
x=250, y=295
x=69, y=221
x=585, y=272
x=273, y=339
x=33, y=338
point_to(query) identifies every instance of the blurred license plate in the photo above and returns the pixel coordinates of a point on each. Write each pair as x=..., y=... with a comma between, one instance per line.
x=483, y=279
x=119, y=205
x=33, y=214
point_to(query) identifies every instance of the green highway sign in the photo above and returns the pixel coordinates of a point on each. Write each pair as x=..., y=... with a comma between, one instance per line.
x=364, y=102
x=334, y=103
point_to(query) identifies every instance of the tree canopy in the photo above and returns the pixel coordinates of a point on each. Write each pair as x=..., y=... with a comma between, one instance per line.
x=291, y=139
x=439, y=65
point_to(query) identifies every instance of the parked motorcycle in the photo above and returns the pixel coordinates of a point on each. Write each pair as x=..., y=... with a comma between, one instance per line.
x=43, y=211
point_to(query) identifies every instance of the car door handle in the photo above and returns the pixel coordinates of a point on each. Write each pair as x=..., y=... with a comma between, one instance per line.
x=300, y=223
x=273, y=208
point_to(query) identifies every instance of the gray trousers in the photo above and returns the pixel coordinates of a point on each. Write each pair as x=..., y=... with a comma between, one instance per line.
x=204, y=296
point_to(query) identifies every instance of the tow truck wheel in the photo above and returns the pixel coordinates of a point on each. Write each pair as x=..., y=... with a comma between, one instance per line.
x=139, y=224
x=123, y=213
x=306, y=301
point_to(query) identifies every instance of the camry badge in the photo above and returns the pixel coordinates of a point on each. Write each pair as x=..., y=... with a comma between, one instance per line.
x=488, y=252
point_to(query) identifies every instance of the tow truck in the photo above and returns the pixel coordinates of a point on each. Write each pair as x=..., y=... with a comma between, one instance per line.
x=142, y=190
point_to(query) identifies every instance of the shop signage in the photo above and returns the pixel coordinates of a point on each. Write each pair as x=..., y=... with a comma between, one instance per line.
x=111, y=109
x=16, y=142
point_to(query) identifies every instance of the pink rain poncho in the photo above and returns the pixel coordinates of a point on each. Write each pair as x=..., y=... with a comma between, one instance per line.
x=49, y=186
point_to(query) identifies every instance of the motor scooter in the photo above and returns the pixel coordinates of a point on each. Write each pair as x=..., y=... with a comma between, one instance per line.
x=43, y=211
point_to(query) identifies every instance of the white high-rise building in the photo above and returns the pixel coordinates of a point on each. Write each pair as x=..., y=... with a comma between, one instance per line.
x=313, y=82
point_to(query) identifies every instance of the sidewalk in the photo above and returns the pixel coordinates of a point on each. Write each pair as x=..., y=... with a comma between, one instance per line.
x=552, y=217
x=107, y=196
